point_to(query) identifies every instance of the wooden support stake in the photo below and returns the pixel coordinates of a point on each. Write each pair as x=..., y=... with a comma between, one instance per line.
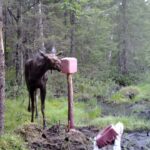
x=70, y=102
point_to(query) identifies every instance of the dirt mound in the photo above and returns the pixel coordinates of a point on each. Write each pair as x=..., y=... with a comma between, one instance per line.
x=54, y=138
x=57, y=138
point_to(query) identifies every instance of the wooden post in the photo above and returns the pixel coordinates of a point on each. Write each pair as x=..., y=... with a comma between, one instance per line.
x=69, y=67
x=70, y=102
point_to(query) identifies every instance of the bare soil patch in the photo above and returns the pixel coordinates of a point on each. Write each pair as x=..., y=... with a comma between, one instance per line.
x=58, y=138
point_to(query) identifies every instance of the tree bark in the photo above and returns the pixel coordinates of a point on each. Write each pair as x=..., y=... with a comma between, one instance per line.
x=123, y=43
x=42, y=44
x=5, y=32
x=65, y=19
x=2, y=75
x=19, y=50
x=72, y=33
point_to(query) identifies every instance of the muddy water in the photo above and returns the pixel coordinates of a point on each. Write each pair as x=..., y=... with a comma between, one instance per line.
x=139, y=109
x=134, y=140
x=115, y=109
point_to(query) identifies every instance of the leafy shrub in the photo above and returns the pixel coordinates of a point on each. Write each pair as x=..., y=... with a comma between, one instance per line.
x=125, y=94
x=126, y=80
x=129, y=92
x=86, y=89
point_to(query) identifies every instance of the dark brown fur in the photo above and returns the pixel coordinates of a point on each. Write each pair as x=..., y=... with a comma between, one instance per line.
x=36, y=78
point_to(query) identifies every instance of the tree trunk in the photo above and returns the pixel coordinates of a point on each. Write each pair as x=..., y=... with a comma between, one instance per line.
x=65, y=19
x=72, y=33
x=42, y=44
x=19, y=51
x=2, y=75
x=5, y=32
x=123, y=41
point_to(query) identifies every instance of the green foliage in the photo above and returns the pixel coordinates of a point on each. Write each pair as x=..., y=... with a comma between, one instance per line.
x=14, y=92
x=118, y=98
x=86, y=88
x=126, y=94
x=126, y=80
x=129, y=92
x=11, y=142
x=10, y=76
x=71, y=6
x=144, y=92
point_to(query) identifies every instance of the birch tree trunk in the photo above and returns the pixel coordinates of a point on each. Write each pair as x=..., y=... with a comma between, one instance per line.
x=2, y=75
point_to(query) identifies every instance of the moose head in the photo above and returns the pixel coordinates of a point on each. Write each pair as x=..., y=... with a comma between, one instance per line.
x=52, y=60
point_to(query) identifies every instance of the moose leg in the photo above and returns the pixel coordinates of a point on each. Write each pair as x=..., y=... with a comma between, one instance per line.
x=29, y=107
x=32, y=105
x=36, y=104
x=43, y=94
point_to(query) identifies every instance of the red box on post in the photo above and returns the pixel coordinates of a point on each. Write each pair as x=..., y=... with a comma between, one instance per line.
x=69, y=65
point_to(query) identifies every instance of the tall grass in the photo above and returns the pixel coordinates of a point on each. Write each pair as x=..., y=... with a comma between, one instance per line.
x=11, y=142
x=130, y=122
x=144, y=92
x=16, y=114
x=56, y=110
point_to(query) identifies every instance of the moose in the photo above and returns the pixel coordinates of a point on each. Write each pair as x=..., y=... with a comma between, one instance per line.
x=36, y=78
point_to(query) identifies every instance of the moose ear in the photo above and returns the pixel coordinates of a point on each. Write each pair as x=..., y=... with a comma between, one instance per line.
x=59, y=53
x=43, y=54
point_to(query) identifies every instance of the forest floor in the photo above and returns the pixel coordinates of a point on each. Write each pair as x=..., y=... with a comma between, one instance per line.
x=57, y=137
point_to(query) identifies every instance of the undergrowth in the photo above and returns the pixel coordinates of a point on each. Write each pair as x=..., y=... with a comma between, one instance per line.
x=11, y=142
x=131, y=94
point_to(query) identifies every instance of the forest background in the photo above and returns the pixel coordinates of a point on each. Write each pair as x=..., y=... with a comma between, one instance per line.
x=110, y=39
